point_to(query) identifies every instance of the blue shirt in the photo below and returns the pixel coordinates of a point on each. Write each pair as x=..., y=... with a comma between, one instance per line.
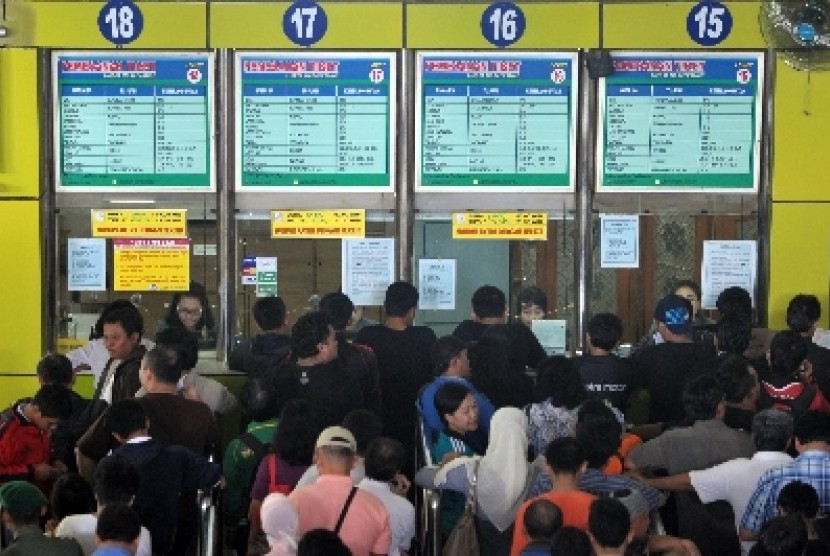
x=112, y=551
x=811, y=467
x=595, y=482
x=432, y=421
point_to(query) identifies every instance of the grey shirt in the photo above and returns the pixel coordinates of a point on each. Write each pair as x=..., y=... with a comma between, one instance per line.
x=704, y=444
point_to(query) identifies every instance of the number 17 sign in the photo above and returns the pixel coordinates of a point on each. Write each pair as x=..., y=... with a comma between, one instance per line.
x=304, y=22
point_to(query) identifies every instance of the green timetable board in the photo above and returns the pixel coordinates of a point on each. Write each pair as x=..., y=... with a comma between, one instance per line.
x=133, y=121
x=681, y=121
x=496, y=121
x=320, y=121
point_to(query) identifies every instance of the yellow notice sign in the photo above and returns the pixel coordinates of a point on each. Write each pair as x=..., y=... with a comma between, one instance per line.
x=151, y=264
x=135, y=223
x=500, y=225
x=303, y=224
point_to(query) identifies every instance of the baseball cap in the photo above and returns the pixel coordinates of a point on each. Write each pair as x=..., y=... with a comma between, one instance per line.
x=444, y=350
x=676, y=313
x=21, y=498
x=336, y=437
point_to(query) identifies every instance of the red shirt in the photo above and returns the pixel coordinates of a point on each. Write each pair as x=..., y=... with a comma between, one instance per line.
x=22, y=445
x=573, y=504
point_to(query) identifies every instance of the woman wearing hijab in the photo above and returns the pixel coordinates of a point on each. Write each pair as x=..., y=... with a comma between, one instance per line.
x=504, y=479
x=279, y=521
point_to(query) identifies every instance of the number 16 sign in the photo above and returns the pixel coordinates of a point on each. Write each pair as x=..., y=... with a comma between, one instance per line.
x=502, y=23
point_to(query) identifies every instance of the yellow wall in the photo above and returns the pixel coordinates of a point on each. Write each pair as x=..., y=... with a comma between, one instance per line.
x=20, y=289
x=801, y=195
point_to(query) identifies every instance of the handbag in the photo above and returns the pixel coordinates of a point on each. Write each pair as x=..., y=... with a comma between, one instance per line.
x=463, y=540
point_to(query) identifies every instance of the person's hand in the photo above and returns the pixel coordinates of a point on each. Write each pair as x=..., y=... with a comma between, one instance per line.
x=684, y=547
x=60, y=466
x=400, y=484
x=44, y=472
x=51, y=525
x=449, y=456
x=189, y=390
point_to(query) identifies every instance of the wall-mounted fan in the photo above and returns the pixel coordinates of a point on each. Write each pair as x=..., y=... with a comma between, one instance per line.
x=799, y=31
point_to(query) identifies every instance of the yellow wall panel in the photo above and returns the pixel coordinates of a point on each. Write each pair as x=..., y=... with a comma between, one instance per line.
x=24, y=386
x=17, y=387
x=554, y=25
x=75, y=25
x=800, y=256
x=19, y=151
x=20, y=296
x=802, y=129
x=663, y=25
x=350, y=25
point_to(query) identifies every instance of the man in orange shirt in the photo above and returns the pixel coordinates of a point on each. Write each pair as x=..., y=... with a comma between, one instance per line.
x=565, y=464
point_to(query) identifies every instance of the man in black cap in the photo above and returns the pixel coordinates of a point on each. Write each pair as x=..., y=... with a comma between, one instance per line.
x=23, y=504
x=665, y=367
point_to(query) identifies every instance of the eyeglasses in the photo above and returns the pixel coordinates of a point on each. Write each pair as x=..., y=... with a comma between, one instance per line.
x=194, y=312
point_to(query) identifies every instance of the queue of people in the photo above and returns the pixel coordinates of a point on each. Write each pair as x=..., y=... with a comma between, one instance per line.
x=732, y=457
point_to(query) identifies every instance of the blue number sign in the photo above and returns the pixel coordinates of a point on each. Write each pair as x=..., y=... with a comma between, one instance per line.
x=304, y=22
x=709, y=23
x=502, y=23
x=120, y=21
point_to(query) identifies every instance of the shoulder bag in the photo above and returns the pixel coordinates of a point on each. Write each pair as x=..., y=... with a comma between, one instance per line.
x=463, y=540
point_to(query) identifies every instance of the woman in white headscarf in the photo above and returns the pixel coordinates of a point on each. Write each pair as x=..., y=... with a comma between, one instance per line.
x=279, y=521
x=504, y=479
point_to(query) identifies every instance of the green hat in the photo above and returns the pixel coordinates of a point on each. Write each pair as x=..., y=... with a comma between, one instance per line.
x=21, y=498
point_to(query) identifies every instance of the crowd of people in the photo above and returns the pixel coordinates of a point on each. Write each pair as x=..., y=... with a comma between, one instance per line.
x=730, y=454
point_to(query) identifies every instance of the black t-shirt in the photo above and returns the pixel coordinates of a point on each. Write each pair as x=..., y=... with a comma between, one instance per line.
x=332, y=392
x=607, y=377
x=664, y=369
x=404, y=364
x=359, y=362
x=527, y=351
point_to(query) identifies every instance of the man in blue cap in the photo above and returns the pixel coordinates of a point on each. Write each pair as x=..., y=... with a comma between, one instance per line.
x=665, y=367
x=23, y=504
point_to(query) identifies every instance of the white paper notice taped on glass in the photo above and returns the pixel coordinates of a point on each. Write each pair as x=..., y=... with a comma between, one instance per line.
x=436, y=284
x=368, y=269
x=726, y=264
x=87, y=264
x=619, y=241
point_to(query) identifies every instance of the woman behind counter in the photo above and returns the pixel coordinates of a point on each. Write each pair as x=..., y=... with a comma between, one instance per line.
x=191, y=310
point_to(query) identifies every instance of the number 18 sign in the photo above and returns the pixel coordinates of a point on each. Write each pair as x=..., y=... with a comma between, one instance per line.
x=120, y=22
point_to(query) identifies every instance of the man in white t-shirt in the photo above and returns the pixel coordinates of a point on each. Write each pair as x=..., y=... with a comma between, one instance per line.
x=735, y=480
x=384, y=459
x=115, y=482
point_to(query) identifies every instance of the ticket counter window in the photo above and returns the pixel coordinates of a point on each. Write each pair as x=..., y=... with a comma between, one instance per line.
x=171, y=280
x=670, y=251
x=514, y=266
x=298, y=270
